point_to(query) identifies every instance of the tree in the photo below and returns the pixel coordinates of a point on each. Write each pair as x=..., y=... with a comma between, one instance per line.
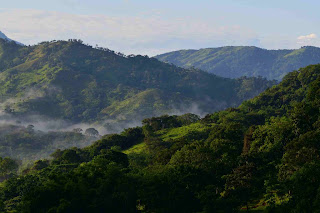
x=77, y=130
x=30, y=128
x=8, y=167
x=91, y=132
x=188, y=118
x=240, y=185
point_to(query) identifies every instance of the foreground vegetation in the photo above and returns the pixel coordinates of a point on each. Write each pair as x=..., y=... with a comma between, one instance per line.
x=263, y=155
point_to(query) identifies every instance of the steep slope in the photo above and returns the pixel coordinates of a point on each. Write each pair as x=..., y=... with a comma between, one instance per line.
x=3, y=36
x=76, y=82
x=234, y=62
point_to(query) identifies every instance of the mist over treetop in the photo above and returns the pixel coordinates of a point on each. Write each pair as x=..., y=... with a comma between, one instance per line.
x=262, y=155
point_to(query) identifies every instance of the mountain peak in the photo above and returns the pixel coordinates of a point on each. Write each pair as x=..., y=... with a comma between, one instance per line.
x=3, y=36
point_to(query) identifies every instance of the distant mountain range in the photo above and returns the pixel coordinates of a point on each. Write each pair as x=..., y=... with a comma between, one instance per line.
x=234, y=62
x=72, y=81
x=3, y=36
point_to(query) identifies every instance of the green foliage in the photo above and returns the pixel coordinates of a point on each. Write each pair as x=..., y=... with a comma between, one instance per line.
x=97, y=186
x=141, y=147
x=73, y=81
x=263, y=155
x=235, y=62
x=8, y=168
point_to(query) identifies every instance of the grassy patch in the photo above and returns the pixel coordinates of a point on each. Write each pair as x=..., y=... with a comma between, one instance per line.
x=136, y=148
x=175, y=133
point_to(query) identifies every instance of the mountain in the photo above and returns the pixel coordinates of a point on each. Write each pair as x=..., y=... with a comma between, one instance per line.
x=234, y=62
x=72, y=81
x=3, y=36
x=263, y=156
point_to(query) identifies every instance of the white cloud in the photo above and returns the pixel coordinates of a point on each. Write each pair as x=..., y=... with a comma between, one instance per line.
x=311, y=39
x=308, y=37
x=140, y=34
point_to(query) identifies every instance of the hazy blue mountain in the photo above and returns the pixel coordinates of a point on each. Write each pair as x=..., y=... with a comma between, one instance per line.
x=3, y=36
x=237, y=61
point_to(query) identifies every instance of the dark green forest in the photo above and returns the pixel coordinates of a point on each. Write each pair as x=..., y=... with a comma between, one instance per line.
x=76, y=82
x=261, y=156
x=237, y=61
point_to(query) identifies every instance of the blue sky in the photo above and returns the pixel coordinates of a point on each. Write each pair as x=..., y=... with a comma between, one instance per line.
x=152, y=27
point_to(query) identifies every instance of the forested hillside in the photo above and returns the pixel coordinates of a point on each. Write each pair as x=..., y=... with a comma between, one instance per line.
x=263, y=155
x=72, y=81
x=234, y=62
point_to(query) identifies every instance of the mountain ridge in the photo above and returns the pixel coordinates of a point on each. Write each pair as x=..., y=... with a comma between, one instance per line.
x=237, y=61
x=3, y=36
x=73, y=81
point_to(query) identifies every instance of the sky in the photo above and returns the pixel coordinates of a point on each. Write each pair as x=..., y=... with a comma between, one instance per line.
x=150, y=27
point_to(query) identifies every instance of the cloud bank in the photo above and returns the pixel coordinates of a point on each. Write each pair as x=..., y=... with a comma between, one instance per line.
x=145, y=34
x=149, y=33
x=311, y=39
